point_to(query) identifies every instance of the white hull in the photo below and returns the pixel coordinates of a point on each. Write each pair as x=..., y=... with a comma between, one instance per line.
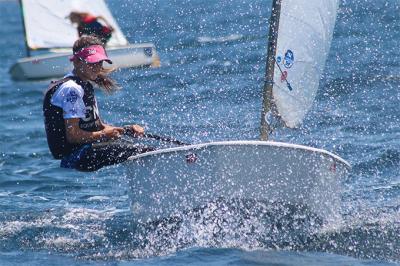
x=163, y=182
x=58, y=64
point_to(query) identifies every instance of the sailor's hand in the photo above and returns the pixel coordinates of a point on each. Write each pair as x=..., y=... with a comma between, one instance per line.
x=112, y=132
x=135, y=130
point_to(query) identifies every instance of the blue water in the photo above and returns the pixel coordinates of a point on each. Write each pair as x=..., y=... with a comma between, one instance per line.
x=208, y=89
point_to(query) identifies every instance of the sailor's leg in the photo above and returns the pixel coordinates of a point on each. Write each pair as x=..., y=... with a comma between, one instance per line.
x=108, y=153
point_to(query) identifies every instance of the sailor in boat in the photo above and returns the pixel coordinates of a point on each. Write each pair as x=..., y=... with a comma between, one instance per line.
x=90, y=25
x=75, y=132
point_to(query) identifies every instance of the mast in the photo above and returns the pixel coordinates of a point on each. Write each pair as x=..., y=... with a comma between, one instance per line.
x=270, y=67
x=28, y=51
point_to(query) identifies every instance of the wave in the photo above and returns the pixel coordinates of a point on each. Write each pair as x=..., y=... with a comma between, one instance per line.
x=229, y=38
x=384, y=160
x=67, y=231
x=254, y=225
x=247, y=225
x=356, y=83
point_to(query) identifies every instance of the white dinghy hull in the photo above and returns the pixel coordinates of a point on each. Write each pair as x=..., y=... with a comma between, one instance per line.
x=166, y=182
x=58, y=64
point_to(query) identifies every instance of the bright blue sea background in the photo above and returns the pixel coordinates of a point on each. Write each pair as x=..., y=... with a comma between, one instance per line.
x=208, y=88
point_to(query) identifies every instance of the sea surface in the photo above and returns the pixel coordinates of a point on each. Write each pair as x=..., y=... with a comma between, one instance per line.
x=208, y=88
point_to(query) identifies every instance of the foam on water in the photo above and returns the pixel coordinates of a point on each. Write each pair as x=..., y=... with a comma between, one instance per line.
x=228, y=38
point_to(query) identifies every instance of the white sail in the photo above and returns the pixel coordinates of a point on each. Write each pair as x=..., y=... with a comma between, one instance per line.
x=46, y=24
x=305, y=34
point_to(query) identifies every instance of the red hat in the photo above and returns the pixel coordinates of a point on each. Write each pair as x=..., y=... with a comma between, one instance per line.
x=92, y=54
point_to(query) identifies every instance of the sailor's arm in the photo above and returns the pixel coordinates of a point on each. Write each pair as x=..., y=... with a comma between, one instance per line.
x=132, y=130
x=76, y=135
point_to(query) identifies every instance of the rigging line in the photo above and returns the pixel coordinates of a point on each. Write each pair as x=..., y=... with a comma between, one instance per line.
x=128, y=132
x=280, y=69
x=165, y=139
x=274, y=121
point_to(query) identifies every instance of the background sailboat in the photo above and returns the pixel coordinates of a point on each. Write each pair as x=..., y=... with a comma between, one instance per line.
x=167, y=181
x=49, y=33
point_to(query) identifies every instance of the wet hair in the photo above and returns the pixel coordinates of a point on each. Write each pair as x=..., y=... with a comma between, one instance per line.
x=76, y=16
x=103, y=80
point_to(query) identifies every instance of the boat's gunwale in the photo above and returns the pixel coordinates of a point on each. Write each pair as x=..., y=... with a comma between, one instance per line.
x=242, y=142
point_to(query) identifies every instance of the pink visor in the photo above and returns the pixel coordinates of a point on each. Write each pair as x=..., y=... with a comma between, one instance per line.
x=92, y=54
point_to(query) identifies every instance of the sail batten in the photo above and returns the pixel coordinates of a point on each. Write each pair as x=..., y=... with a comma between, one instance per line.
x=304, y=37
x=47, y=27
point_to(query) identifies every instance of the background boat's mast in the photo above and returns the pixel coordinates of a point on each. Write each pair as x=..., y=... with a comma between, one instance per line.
x=269, y=72
x=28, y=51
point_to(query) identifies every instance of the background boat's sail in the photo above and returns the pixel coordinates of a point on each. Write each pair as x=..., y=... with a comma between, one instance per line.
x=305, y=34
x=46, y=24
